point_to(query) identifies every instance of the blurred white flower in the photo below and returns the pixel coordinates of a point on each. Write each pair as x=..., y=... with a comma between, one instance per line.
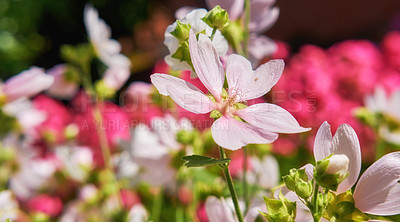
x=75, y=160
x=8, y=206
x=107, y=49
x=61, y=88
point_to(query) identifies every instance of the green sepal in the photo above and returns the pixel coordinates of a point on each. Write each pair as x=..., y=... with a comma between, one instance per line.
x=181, y=32
x=280, y=210
x=215, y=114
x=217, y=17
x=200, y=161
x=80, y=54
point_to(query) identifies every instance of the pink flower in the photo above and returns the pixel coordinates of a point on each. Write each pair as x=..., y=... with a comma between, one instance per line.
x=129, y=198
x=62, y=87
x=48, y=205
x=391, y=49
x=57, y=118
x=27, y=84
x=263, y=120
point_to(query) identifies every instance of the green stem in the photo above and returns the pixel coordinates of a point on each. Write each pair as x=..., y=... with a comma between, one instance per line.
x=380, y=148
x=244, y=181
x=157, y=206
x=213, y=33
x=314, y=203
x=228, y=179
x=246, y=27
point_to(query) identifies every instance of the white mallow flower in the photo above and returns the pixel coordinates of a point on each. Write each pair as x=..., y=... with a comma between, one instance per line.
x=338, y=164
x=138, y=213
x=8, y=206
x=380, y=102
x=107, y=49
x=197, y=25
x=27, y=116
x=76, y=161
x=265, y=172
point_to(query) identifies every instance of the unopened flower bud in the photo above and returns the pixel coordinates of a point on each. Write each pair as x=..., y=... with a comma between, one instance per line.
x=217, y=17
x=185, y=137
x=338, y=164
x=295, y=176
x=181, y=32
x=303, y=189
x=280, y=210
x=331, y=171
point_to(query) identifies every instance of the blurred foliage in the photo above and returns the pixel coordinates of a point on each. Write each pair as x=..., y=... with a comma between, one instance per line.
x=31, y=32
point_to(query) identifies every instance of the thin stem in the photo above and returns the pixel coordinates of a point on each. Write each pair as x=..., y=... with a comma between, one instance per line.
x=246, y=27
x=380, y=147
x=244, y=180
x=102, y=135
x=228, y=179
x=213, y=33
x=157, y=205
x=314, y=202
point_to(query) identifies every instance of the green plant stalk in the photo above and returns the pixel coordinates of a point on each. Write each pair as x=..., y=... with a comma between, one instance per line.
x=157, y=206
x=244, y=180
x=213, y=33
x=232, y=191
x=315, y=209
x=246, y=33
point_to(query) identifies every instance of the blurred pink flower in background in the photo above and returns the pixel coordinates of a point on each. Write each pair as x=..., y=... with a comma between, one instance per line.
x=43, y=203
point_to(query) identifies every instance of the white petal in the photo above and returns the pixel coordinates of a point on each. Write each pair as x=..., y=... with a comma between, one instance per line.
x=206, y=63
x=183, y=93
x=217, y=210
x=271, y=117
x=245, y=84
x=344, y=142
x=232, y=134
x=378, y=190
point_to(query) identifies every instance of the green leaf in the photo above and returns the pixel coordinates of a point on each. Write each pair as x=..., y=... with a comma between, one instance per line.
x=200, y=161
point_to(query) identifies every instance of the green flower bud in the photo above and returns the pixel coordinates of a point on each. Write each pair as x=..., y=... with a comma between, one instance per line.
x=331, y=171
x=185, y=137
x=217, y=17
x=71, y=131
x=303, y=189
x=295, y=176
x=366, y=116
x=280, y=210
x=341, y=207
x=103, y=91
x=181, y=32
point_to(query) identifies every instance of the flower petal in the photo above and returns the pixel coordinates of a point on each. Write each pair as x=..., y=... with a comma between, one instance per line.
x=322, y=142
x=217, y=210
x=233, y=7
x=344, y=142
x=183, y=93
x=27, y=84
x=378, y=190
x=232, y=134
x=206, y=63
x=245, y=84
x=262, y=16
x=271, y=117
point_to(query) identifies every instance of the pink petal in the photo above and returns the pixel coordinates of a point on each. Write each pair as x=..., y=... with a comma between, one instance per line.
x=206, y=63
x=232, y=134
x=233, y=7
x=344, y=142
x=183, y=93
x=262, y=16
x=378, y=190
x=116, y=76
x=271, y=117
x=27, y=84
x=260, y=47
x=248, y=84
x=217, y=210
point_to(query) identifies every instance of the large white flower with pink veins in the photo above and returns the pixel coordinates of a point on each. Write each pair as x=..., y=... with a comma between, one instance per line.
x=235, y=127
